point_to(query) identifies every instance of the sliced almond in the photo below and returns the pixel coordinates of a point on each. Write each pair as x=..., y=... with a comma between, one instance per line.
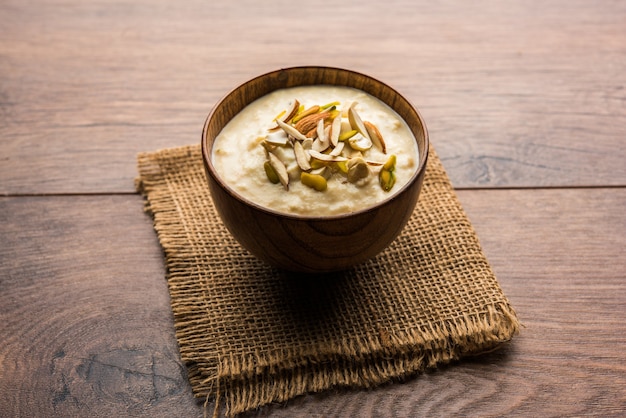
x=322, y=142
x=355, y=121
x=345, y=125
x=302, y=157
x=327, y=131
x=326, y=157
x=280, y=169
x=337, y=150
x=375, y=136
x=321, y=132
x=318, y=145
x=291, y=130
x=335, y=130
x=288, y=113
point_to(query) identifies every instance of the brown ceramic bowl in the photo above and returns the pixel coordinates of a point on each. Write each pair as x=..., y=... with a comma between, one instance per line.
x=307, y=243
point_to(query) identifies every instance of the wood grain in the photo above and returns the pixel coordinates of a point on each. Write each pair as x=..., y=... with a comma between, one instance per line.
x=530, y=94
x=515, y=95
x=84, y=312
x=88, y=330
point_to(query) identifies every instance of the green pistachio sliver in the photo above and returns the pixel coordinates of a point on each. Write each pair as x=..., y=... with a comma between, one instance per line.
x=387, y=175
x=390, y=165
x=331, y=104
x=347, y=135
x=387, y=179
x=314, y=181
x=342, y=166
x=270, y=172
x=315, y=164
x=311, y=110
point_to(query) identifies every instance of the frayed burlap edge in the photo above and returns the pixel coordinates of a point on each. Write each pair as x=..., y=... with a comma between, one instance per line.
x=242, y=391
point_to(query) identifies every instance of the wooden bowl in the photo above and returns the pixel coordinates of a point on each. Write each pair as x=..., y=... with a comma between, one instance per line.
x=307, y=243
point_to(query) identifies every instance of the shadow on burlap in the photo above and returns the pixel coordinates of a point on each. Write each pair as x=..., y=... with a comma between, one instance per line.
x=251, y=335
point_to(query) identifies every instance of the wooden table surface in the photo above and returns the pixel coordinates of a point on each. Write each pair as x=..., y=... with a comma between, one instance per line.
x=526, y=105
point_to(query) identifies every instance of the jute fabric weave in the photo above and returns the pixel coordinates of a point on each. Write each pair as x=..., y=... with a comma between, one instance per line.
x=252, y=335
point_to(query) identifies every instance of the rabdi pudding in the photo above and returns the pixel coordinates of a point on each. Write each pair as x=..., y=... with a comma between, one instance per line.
x=316, y=151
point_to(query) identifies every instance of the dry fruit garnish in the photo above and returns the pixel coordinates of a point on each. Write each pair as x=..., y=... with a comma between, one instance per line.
x=315, y=181
x=387, y=175
x=324, y=142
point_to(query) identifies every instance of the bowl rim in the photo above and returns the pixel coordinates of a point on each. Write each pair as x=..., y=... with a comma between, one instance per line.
x=211, y=171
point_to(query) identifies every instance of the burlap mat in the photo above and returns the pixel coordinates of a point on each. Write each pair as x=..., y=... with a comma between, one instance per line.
x=251, y=335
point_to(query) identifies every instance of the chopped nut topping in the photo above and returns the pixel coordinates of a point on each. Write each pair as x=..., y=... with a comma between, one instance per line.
x=326, y=142
x=375, y=136
x=302, y=157
x=279, y=169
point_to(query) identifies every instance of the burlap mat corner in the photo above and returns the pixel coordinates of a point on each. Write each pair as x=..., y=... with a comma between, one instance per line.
x=251, y=335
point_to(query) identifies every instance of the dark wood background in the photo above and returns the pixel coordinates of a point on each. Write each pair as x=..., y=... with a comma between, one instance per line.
x=526, y=105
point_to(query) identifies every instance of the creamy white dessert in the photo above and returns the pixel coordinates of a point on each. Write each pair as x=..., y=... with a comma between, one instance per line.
x=361, y=153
